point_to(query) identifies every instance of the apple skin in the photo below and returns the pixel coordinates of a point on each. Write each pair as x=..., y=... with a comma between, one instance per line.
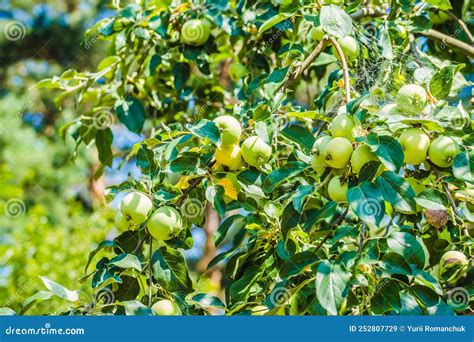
x=318, y=161
x=166, y=307
x=164, y=223
x=337, y=191
x=230, y=129
x=121, y=222
x=237, y=71
x=343, y=126
x=229, y=156
x=195, y=32
x=442, y=151
x=338, y=152
x=453, y=266
x=317, y=33
x=255, y=151
x=411, y=99
x=349, y=46
x=136, y=207
x=361, y=155
x=415, y=144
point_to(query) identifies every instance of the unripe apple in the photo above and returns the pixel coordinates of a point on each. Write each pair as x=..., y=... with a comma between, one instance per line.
x=195, y=32
x=317, y=33
x=438, y=17
x=442, y=151
x=229, y=156
x=166, y=307
x=411, y=99
x=255, y=151
x=415, y=144
x=121, y=222
x=318, y=161
x=338, y=152
x=388, y=110
x=259, y=310
x=453, y=266
x=343, y=126
x=135, y=207
x=164, y=223
x=337, y=190
x=361, y=155
x=230, y=129
x=237, y=71
x=349, y=46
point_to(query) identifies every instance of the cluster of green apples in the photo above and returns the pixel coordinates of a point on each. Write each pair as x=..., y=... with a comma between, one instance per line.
x=349, y=45
x=136, y=208
x=253, y=150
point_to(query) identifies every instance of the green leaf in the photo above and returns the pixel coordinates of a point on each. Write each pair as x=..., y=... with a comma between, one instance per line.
x=126, y=261
x=442, y=81
x=32, y=300
x=185, y=163
x=131, y=113
x=239, y=289
x=463, y=166
x=432, y=199
x=409, y=305
x=300, y=195
x=277, y=176
x=170, y=270
x=407, y=246
x=146, y=161
x=441, y=4
x=367, y=202
x=270, y=22
x=299, y=135
x=60, y=290
x=335, y=21
x=395, y=263
x=205, y=129
x=386, y=298
x=7, y=312
x=215, y=195
x=315, y=216
x=204, y=301
x=102, y=245
x=103, y=141
x=181, y=72
x=425, y=279
x=223, y=228
x=388, y=149
x=297, y=263
x=135, y=308
x=397, y=192
x=332, y=284
x=128, y=289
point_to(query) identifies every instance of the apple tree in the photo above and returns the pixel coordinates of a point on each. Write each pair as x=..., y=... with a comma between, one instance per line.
x=331, y=139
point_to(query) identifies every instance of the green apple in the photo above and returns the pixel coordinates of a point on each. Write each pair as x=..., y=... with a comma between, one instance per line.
x=411, y=99
x=416, y=185
x=415, y=145
x=166, y=307
x=318, y=161
x=230, y=129
x=453, y=266
x=237, y=71
x=135, y=207
x=259, y=310
x=442, y=151
x=338, y=152
x=389, y=110
x=343, y=126
x=164, y=223
x=337, y=190
x=121, y=222
x=255, y=151
x=437, y=16
x=229, y=156
x=317, y=33
x=195, y=32
x=361, y=155
x=349, y=46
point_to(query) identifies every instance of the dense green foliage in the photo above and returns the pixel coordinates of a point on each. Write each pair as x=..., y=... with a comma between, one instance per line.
x=341, y=178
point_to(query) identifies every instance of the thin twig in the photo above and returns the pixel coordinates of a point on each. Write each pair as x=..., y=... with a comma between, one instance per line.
x=448, y=193
x=140, y=244
x=345, y=68
x=448, y=40
x=191, y=186
x=463, y=25
x=335, y=225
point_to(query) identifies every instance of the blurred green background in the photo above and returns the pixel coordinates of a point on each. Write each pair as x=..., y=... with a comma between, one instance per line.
x=52, y=210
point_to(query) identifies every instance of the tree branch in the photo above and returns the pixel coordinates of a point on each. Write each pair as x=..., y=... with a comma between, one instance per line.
x=448, y=40
x=462, y=24
x=335, y=225
x=345, y=68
